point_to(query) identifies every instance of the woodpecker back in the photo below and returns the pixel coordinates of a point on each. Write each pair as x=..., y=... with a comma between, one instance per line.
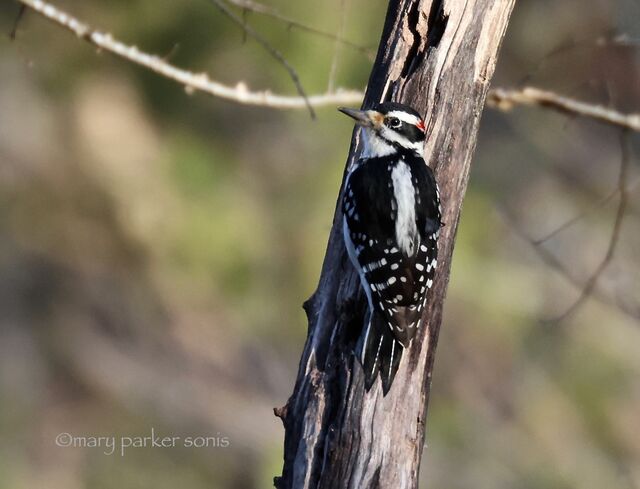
x=391, y=218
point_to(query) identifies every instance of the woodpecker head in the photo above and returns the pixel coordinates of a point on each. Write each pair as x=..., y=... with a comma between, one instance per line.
x=388, y=128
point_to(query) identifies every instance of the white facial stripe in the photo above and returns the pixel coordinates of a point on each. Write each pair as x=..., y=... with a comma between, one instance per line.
x=393, y=136
x=404, y=117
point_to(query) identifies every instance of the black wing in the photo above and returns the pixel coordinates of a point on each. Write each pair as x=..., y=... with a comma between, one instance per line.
x=397, y=282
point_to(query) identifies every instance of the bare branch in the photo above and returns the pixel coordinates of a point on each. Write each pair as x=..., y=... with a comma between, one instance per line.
x=503, y=99
x=615, y=233
x=191, y=81
x=275, y=54
x=498, y=98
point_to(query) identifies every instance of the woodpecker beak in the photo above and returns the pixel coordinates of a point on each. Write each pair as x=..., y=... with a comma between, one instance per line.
x=366, y=118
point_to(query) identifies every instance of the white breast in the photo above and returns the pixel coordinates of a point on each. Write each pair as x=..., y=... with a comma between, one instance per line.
x=404, y=193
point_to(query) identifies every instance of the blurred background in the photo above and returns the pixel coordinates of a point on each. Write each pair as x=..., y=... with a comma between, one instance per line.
x=156, y=247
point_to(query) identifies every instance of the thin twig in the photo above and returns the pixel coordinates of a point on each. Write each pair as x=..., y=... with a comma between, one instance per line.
x=191, y=81
x=261, y=9
x=506, y=99
x=16, y=22
x=172, y=52
x=569, y=178
x=554, y=263
x=245, y=20
x=275, y=54
x=615, y=233
x=336, y=48
x=604, y=41
x=576, y=219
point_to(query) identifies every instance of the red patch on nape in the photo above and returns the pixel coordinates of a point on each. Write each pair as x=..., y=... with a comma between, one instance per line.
x=420, y=125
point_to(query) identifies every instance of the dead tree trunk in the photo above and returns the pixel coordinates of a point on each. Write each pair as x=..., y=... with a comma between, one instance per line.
x=437, y=56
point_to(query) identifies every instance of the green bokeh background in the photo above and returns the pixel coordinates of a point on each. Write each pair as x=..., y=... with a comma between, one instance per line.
x=156, y=247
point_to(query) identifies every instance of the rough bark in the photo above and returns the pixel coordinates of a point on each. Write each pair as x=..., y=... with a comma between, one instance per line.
x=437, y=56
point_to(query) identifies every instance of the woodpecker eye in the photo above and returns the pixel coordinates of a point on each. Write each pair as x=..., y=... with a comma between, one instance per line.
x=393, y=122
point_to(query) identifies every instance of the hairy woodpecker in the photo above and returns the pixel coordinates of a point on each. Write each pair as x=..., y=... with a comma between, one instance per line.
x=391, y=218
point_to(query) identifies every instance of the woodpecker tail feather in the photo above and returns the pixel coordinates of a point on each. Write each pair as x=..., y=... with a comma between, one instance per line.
x=379, y=352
